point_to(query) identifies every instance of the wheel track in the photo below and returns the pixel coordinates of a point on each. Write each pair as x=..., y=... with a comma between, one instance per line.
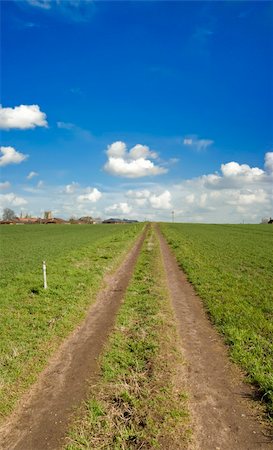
x=224, y=417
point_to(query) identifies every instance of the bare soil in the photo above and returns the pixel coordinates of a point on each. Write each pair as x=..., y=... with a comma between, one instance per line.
x=42, y=418
x=224, y=415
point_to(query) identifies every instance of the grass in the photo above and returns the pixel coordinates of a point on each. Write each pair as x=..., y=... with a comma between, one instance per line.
x=34, y=321
x=138, y=403
x=231, y=268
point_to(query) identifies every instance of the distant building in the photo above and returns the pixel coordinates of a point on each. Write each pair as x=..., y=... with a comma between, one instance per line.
x=86, y=219
x=112, y=220
x=48, y=215
x=270, y=220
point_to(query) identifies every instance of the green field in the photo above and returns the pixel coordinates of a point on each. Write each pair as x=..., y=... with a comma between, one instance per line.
x=34, y=321
x=231, y=268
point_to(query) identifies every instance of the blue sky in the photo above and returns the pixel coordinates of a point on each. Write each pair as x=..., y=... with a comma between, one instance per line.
x=141, y=108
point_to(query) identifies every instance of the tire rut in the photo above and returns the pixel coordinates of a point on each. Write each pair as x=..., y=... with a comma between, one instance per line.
x=224, y=417
x=45, y=411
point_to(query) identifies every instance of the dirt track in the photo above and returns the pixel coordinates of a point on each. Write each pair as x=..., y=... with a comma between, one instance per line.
x=41, y=420
x=223, y=416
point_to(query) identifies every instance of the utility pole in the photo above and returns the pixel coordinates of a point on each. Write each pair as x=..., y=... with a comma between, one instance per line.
x=172, y=216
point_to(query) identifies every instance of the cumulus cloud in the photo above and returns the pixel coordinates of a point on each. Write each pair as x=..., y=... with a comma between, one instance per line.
x=144, y=193
x=197, y=144
x=248, y=197
x=22, y=117
x=133, y=163
x=5, y=185
x=232, y=169
x=8, y=155
x=119, y=208
x=238, y=192
x=150, y=199
x=235, y=175
x=162, y=201
x=92, y=195
x=71, y=188
x=269, y=162
x=32, y=175
x=11, y=199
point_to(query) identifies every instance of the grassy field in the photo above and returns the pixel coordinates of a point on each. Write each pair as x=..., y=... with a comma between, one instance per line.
x=34, y=321
x=231, y=267
x=137, y=403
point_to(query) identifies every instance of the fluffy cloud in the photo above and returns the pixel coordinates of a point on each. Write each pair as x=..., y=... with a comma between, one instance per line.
x=11, y=156
x=133, y=163
x=92, y=195
x=32, y=175
x=234, y=175
x=5, y=185
x=121, y=207
x=152, y=200
x=162, y=201
x=197, y=144
x=232, y=169
x=11, y=199
x=22, y=117
x=269, y=162
x=71, y=188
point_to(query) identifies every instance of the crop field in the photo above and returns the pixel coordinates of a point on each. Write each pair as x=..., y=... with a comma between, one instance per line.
x=34, y=321
x=231, y=268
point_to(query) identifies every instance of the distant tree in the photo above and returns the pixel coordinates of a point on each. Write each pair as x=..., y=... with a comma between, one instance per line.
x=264, y=220
x=8, y=214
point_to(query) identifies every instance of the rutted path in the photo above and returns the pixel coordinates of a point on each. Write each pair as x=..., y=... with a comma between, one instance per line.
x=44, y=413
x=222, y=414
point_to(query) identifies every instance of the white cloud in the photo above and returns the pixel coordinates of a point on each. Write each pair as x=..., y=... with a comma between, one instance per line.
x=234, y=169
x=92, y=195
x=66, y=125
x=197, y=144
x=22, y=117
x=71, y=188
x=44, y=4
x=32, y=175
x=248, y=197
x=40, y=184
x=269, y=162
x=48, y=4
x=162, y=201
x=142, y=194
x=11, y=199
x=5, y=185
x=147, y=198
x=72, y=10
x=11, y=156
x=133, y=163
x=234, y=175
x=121, y=207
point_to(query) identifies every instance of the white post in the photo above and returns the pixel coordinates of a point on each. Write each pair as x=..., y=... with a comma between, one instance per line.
x=44, y=272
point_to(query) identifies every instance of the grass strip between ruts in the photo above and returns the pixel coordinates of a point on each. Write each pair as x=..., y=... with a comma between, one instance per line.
x=139, y=401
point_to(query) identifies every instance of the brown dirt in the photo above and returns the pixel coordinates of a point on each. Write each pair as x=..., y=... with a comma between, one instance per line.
x=43, y=415
x=223, y=412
